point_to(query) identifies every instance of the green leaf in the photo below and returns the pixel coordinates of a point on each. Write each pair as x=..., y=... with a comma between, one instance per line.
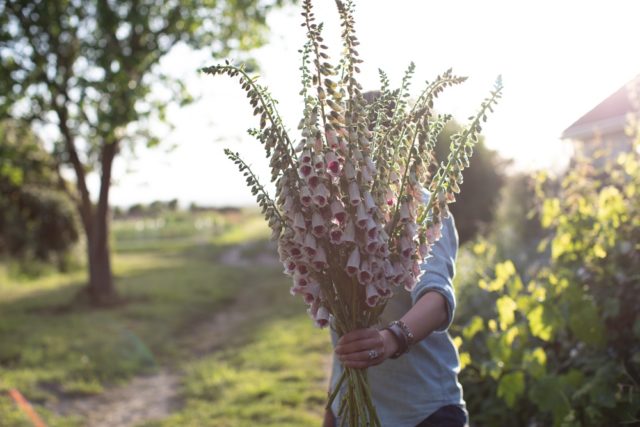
x=506, y=311
x=548, y=395
x=511, y=387
x=537, y=325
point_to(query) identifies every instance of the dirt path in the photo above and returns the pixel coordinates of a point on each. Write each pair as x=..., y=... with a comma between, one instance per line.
x=153, y=397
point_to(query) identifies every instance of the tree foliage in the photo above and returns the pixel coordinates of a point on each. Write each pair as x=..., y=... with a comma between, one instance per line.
x=483, y=180
x=89, y=68
x=37, y=219
x=563, y=347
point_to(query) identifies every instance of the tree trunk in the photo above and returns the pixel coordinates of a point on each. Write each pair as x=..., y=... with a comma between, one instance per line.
x=100, y=289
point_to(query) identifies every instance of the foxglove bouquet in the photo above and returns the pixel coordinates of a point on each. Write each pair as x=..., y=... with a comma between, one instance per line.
x=360, y=197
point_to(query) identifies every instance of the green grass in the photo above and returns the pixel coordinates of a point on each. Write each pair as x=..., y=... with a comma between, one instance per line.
x=268, y=372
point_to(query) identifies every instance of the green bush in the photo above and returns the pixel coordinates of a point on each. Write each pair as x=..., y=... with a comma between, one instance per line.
x=37, y=219
x=561, y=345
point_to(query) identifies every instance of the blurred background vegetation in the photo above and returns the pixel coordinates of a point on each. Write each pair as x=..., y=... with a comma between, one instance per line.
x=548, y=273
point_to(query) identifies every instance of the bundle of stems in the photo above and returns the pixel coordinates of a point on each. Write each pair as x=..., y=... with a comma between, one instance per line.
x=360, y=197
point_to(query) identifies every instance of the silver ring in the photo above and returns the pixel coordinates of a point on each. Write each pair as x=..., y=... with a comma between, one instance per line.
x=373, y=354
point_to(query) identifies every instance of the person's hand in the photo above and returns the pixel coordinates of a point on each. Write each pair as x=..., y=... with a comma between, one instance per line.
x=363, y=348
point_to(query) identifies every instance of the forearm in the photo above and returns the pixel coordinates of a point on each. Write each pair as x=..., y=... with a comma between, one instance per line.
x=427, y=314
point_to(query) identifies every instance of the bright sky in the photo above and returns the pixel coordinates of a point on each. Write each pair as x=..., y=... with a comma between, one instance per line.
x=558, y=60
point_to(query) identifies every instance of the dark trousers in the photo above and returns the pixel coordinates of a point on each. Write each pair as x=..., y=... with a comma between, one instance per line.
x=447, y=416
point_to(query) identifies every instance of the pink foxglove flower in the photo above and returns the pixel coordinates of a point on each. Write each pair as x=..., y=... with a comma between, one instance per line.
x=369, y=203
x=300, y=281
x=319, y=228
x=310, y=245
x=313, y=180
x=372, y=228
x=335, y=235
x=406, y=247
x=349, y=234
x=349, y=170
x=289, y=267
x=354, y=193
x=320, y=196
x=424, y=250
x=372, y=295
x=333, y=164
x=305, y=197
x=365, y=275
x=338, y=212
x=434, y=233
x=319, y=261
x=288, y=206
x=366, y=176
x=317, y=145
x=318, y=162
x=405, y=215
x=322, y=317
x=296, y=252
x=353, y=264
x=302, y=269
x=305, y=157
x=390, y=198
x=372, y=246
x=362, y=218
x=305, y=170
x=332, y=139
x=299, y=223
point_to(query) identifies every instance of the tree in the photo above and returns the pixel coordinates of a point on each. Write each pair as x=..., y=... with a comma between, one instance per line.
x=88, y=69
x=475, y=205
x=37, y=220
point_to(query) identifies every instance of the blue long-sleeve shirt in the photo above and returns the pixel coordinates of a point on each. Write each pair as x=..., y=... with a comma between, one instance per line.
x=408, y=389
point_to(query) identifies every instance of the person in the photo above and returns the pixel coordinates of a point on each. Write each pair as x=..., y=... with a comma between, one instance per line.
x=420, y=386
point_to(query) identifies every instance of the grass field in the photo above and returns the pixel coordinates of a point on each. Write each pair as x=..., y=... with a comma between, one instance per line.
x=267, y=368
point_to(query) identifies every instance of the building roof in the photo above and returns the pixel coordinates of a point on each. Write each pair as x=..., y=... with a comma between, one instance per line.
x=610, y=113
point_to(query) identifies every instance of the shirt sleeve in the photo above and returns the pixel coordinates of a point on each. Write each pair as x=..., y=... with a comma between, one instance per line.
x=439, y=270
